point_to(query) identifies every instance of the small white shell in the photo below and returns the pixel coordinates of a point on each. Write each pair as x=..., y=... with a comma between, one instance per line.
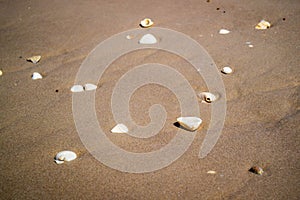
x=227, y=70
x=147, y=22
x=223, y=31
x=262, y=25
x=89, y=87
x=207, y=97
x=189, y=123
x=65, y=156
x=36, y=76
x=129, y=37
x=148, y=39
x=120, y=128
x=211, y=172
x=1, y=72
x=77, y=88
x=34, y=59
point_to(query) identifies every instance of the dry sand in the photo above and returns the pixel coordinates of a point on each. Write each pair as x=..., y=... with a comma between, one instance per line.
x=262, y=122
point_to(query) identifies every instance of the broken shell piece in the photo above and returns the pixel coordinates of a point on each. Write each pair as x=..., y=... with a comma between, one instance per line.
x=189, y=123
x=263, y=25
x=211, y=172
x=227, y=70
x=256, y=170
x=145, y=23
x=1, y=72
x=65, y=156
x=36, y=76
x=77, y=88
x=34, y=59
x=207, y=97
x=129, y=37
x=148, y=39
x=120, y=128
x=224, y=31
x=89, y=87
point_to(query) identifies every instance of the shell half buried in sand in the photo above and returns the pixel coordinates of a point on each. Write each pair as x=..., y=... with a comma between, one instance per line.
x=148, y=39
x=147, y=22
x=77, y=88
x=262, y=25
x=34, y=59
x=63, y=156
x=189, y=123
x=89, y=87
x=208, y=97
x=120, y=128
x=36, y=76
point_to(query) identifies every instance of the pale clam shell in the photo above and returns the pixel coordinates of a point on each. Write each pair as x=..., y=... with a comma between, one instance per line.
x=120, y=128
x=147, y=22
x=227, y=70
x=262, y=25
x=208, y=97
x=77, y=88
x=36, y=76
x=148, y=39
x=211, y=172
x=89, y=87
x=34, y=59
x=224, y=31
x=189, y=123
x=65, y=156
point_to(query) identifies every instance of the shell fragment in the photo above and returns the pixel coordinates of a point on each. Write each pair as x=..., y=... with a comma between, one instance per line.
x=256, y=170
x=189, y=123
x=77, y=88
x=227, y=70
x=148, y=39
x=211, y=172
x=207, y=97
x=1, y=72
x=223, y=31
x=63, y=156
x=89, y=87
x=36, y=76
x=120, y=128
x=34, y=59
x=262, y=25
x=147, y=22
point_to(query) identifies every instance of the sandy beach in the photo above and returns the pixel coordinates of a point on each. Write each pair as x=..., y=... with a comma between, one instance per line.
x=262, y=96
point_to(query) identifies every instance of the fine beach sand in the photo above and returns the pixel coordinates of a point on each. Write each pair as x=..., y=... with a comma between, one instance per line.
x=262, y=121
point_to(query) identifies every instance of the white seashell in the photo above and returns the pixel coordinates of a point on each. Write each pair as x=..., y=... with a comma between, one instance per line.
x=129, y=37
x=148, y=39
x=207, y=97
x=89, y=87
x=77, y=88
x=227, y=70
x=211, y=172
x=65, y=156
x=34, y=59
x=36, y=76
x=120, y=128
x=145, y=23
x=263, y=25
x=1, y=72
x=189, y=123
x=224, y=31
